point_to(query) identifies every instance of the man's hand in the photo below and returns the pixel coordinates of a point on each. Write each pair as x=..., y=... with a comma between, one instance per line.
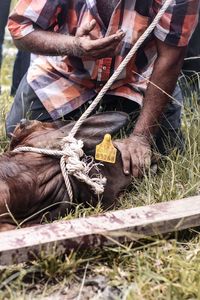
x=88, y=48
x=83, y=45
x=136, y=154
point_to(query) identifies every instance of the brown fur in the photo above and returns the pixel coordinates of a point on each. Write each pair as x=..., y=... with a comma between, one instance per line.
x=31, y=182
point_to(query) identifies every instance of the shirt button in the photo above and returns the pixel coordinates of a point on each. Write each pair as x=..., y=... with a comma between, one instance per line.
x=104, y=68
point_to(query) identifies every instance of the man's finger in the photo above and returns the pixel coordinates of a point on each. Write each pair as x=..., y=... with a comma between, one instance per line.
x=86, y=28
x=147, y=161
x=126, y=162
x=135, y=171
x=125, y=155
x=140, y=163
x=135, y=166
x=107, y=41
x=105, y=52
x=90, y=26
x=108, y=51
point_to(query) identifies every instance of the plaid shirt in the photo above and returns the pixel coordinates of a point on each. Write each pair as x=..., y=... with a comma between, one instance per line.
x=65, y=83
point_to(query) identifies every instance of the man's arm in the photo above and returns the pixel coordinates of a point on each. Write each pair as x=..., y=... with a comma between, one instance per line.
x=31, y=25
x=52, y=43
x=165, y=75
x=136, y=150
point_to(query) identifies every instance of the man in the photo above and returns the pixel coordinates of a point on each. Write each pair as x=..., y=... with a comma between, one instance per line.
x=81, y=43
x=22, y=60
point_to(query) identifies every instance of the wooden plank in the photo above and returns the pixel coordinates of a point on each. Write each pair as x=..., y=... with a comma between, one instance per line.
x=21, y=245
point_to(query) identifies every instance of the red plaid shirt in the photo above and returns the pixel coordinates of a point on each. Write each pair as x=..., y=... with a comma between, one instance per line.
x=65, y=83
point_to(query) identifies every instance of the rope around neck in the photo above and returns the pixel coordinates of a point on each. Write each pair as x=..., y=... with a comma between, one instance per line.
x=71, y=153
x=71, y=164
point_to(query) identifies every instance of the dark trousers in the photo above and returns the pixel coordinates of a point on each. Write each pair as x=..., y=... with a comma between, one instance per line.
x=4, y=12
x=190, y=67
x=21, y=66
x=22, y=60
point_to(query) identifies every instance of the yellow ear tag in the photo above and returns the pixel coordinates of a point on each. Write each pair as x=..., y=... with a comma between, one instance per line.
x=106, y=151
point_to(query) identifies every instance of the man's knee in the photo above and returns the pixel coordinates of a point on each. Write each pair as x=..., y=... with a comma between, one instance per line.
x=21, y=105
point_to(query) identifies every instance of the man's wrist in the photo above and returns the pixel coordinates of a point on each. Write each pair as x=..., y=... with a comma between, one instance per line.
x=70, y=46
x=145, y=137
x=77, y=49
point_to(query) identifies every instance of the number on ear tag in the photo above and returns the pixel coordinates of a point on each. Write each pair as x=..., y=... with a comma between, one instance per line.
x=105, y=151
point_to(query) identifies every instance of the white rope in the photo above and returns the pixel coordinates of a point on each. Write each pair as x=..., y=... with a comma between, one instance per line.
x=71, y=153
x=71, y=164
x=40, y=151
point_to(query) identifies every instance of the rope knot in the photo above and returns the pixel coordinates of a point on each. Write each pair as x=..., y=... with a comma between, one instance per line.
x=71, y=164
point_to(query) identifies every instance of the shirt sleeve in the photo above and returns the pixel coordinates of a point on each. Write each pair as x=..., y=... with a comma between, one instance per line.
x=178, y=22
x=29, y=14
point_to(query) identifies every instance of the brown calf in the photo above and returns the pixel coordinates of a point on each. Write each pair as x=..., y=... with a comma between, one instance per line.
x=31, y=182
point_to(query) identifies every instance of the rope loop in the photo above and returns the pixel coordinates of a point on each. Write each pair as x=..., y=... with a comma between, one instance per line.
x=73, y=165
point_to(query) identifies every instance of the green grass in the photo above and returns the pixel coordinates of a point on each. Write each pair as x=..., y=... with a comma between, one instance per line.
x=159, y=268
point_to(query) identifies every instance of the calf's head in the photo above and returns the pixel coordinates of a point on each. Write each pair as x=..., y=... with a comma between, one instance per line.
x=32, y=181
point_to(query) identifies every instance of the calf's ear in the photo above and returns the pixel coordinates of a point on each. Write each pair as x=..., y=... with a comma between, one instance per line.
x=95, y=127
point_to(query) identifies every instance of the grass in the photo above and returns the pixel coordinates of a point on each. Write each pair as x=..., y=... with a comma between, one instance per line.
x=158, y=268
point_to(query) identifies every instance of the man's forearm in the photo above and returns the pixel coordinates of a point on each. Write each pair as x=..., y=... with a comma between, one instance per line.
x=155, y=100
x=81, y=45
x=165, y=75
x=47, y=43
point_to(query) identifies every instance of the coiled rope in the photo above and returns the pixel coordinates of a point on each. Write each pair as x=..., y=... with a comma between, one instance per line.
x=72, y=152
